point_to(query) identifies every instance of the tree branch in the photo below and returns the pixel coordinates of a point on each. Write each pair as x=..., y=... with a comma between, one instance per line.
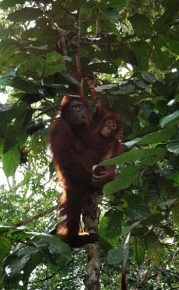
x=35, y=217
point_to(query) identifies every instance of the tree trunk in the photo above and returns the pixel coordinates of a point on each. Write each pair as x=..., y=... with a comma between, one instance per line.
x=90, y=219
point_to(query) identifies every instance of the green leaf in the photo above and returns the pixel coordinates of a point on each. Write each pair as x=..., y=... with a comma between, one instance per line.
x=170, y=120
x=105, y=87
x=160, y=57
x=167, y=204
x=173, y=145
x=37, y=68
x=5, y=247
x=54, y=63
x=25, y=14
x=114, y=256
x=11, y=160
x=5, y=79
x=23, y=256
x=138, y=207
x=23, y=85
x=123, y=90
x=55, y=244
x=173, y=5
x=127, y=230
x=141, y=25
x=7, y=49
x=139, y=250
x=110, y=12
x=10, y=3
x=152, y=219
x=123, y=181
x=168, y=230
x=160, y=136
x=34, y=67
x=155, y=250
x=125, y=253
x=107, y=67
x=140, y=50
x=170, y=43
x=133, y=155
x=163, y=22
x=110, y=226
x=175, y=214
x=149, y=77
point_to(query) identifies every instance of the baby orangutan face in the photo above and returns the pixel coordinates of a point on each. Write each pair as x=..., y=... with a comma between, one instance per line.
x=109, y=127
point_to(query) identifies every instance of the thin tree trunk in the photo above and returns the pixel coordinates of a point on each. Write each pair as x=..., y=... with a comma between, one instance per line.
x=90, y=218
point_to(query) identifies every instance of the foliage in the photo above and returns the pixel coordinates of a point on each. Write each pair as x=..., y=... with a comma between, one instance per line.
x=133, y=48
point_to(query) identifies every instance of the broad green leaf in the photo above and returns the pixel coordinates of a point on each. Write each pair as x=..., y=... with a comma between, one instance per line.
x=114, y=256
x=141, y=84
x=54, y=63
x=168, y=230
x=125, y=253
x=30, y=98
x=165, y=20
x=160, y=136
x=123, y=90
x=139, y=250
x=6, y=229
x=5, y=247
x=140, y=50
x=10, y=3
x=110, y=12
x=113, y=3
x=171, y=119
x=25, y=14
x=37, y=67
x=173, y=5
x=152, y=219
x=73, y=6
x=110, y=226
x=173, y=145
x=141, y=25
x=55, y=244
x=177, y=98
x=138, y=207
x=167, y=204
x=155, y=249
x=7, y=49
x=108, y=67
x=175, y=214
x=126, y=230
x=34, y=67
x=11, y=160
x=123, y=181
x=149, y=77
x=105, y=87
x=22, y=258
x=23, y=84
x=170, y=43
x=127, y=55
x=160, y=57
x=5, y=79
x=132, y=143
x=134, y=155
x=5, y=107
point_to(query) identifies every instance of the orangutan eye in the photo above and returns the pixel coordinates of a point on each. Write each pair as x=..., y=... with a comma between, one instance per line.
x=109, y=122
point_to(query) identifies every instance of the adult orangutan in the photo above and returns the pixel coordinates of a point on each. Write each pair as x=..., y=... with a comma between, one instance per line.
x=75, y=151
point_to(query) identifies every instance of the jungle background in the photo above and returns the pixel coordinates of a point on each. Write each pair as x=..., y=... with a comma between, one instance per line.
x=132, y=46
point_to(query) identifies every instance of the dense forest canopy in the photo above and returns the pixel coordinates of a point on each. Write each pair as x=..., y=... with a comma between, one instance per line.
x=132, y=47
